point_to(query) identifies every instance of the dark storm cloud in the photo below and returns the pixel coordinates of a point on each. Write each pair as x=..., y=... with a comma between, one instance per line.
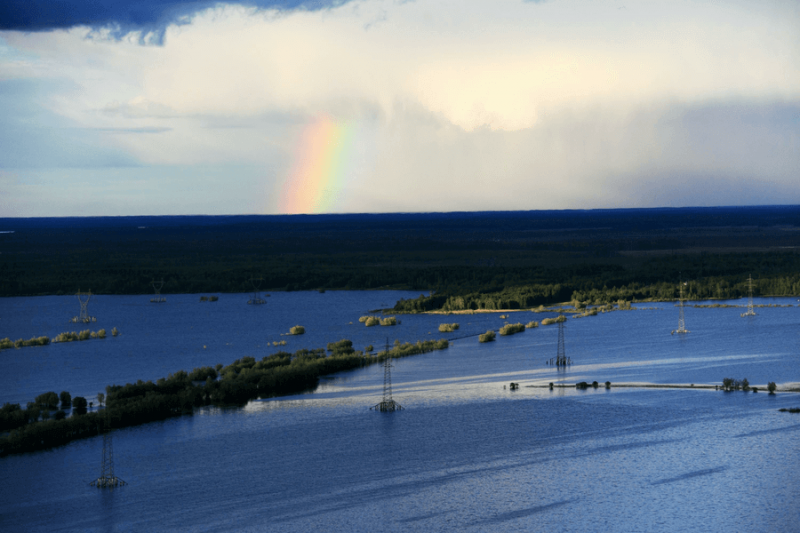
x=124, y=15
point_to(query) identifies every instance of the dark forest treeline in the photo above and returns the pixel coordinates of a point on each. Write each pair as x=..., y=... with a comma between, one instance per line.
x=456, y=253
x=142, y=402
x=534, y=295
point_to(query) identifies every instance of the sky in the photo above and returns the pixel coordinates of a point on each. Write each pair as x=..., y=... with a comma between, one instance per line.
x=170, y=107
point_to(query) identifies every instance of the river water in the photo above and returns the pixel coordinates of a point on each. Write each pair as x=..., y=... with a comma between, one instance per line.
x=464, y=455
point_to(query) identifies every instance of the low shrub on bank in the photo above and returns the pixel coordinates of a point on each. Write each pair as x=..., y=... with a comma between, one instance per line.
x=7, y=343
x=555, y=320
x=510, y=329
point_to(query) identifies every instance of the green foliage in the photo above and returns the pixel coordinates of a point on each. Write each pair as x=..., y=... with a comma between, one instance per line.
x=372, y=321
x=369, y=348
x=297, y=330
x=389, y=321
x=511, y=329
x=343, y=346
x=48, y=400
x=532, y=324
x=79, y=405
x=213, y=298
x=556, y=320
x=19, y=343
x=448, y=328
x=771, y=387
x=114, y=332
x=101, y=334
x=66, y=399
x=789, y=410
x=489, y=336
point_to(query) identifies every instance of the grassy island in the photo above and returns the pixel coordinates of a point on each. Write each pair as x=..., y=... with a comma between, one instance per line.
x=556, y=320
x=448, y=328
x=489, y=336
x=511, y=329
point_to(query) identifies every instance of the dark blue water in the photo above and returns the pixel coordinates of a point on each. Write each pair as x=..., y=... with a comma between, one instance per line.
x=464, y=455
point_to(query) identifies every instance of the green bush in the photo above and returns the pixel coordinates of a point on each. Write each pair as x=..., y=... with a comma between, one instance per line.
x=448, y=328
x=489, y=336
x=297, y=330
x=114, y=332
x=556, y=320
x=48, y=400
x=79, y=404
x=389, y=321
x=532, y=324
x=510, y=329
x=771, y=387
x=372, y=321
x=66, y=399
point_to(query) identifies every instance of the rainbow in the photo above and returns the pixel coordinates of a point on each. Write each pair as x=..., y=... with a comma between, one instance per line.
x=323, y=162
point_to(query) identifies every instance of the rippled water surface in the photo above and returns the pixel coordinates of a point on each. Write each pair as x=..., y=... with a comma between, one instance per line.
x=464, y=455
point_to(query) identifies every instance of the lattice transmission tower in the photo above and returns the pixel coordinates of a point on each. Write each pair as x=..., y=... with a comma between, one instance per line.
x=750, y=310
x=256, y=299
x=83, y=298
x=158, y=299
x=561, y=360
x=107, y=479
x=387, y=404
x=681, y=320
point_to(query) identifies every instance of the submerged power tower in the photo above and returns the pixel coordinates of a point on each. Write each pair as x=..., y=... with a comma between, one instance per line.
x=83, y=298
x=158, y=299
x=107, y=479
x=681, y=322
x=750, y=311
x=256, y=299
x=387, y=404
x=560, y=360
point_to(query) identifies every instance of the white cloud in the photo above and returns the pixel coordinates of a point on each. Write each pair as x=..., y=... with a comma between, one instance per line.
x=483, y=105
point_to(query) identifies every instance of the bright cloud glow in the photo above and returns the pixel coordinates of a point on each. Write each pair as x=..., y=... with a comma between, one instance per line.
x=469, y=105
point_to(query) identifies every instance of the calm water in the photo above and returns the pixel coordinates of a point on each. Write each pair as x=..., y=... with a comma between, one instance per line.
x=465, y=454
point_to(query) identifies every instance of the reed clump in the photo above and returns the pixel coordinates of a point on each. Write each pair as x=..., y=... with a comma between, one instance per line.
x=489, y=336
x=297, y=330
x=389, y=321
x=556, y=320
x=448, y=328
x=511, y=329
x=371, y=321
x=7, y=343
x=532, y=324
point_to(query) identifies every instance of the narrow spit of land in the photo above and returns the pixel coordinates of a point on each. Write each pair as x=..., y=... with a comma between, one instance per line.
x=133, y=404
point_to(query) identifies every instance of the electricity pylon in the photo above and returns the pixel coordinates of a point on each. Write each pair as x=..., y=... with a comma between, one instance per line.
x=256, y=299
x=157, y=285
x=387, y=404
x=681, y=322
x=750, y=311
x=107, y=479
x=83, y=298
x=560, y=360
